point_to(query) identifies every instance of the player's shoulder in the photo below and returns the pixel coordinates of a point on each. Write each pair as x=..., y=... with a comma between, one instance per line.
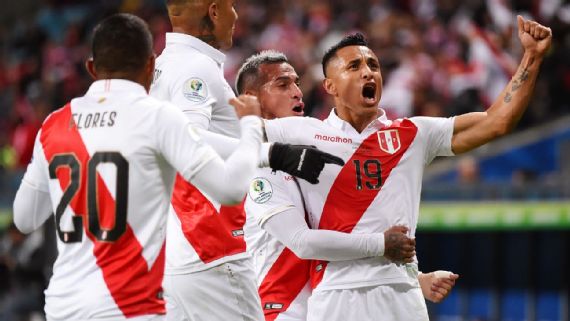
x=183, y=65
x=429, y=121
x=295, y=122
x=62, y=113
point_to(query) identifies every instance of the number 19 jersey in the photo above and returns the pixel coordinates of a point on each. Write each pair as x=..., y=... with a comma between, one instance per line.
x=378, y=187
x=108, y=161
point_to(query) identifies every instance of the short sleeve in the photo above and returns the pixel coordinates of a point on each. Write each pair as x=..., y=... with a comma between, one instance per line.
x=180, y=144
x=269, y=194
x=36, y=175
x=437, y=133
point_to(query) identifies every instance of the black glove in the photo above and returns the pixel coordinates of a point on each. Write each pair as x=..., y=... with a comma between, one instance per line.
x=302, y=161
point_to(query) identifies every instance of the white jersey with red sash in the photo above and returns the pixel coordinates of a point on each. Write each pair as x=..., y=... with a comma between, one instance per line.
x=378, y=187
x=282, y=277
x=201, y=232
x=108, y=161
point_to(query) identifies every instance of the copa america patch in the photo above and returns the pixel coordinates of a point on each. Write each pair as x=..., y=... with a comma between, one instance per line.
x=195, y=89
x=260, y=190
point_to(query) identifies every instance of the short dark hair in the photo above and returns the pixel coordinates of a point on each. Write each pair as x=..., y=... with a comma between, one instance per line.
x=356, y=39
x=121, y=43
x=248, y=73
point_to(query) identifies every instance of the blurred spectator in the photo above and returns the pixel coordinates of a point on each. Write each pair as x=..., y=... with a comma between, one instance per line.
x=21, y=269
x=467, y=170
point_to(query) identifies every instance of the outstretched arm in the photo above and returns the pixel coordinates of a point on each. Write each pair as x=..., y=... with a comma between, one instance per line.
x=475, y=129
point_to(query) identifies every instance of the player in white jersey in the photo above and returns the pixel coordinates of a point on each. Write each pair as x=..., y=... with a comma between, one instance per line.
x=380, y=184
x=276, y=218
x=206, y=259
x=105, y=165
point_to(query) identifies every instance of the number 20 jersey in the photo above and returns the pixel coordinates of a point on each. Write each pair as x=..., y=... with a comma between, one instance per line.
x=378, y=187
x=108, y=161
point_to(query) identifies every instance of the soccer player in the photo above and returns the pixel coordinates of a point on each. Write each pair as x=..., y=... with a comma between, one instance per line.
x=276, y=232
x=380, y=184
x=105, y=164
x=208, y=273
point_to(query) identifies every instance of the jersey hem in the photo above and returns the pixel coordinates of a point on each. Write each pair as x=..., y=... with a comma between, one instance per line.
x=355, y=285
x=200, y=266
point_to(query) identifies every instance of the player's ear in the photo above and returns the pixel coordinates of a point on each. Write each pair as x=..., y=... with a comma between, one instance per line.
x=90, y=66
x=213, y=12
x=150, y=64
x=149, y=71
x=329, y=86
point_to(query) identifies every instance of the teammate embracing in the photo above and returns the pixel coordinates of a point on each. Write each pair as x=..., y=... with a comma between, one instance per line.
x=380, y=183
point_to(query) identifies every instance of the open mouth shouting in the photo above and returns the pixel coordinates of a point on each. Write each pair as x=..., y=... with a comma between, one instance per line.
x=369, y=93
x=299, y=109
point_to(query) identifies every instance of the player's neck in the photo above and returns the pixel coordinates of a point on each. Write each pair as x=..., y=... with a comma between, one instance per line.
x=138, y=78
x=204, y=35
x=358, y=118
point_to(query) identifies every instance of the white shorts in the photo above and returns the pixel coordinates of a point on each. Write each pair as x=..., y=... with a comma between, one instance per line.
x=393, y=302
x=224, y=292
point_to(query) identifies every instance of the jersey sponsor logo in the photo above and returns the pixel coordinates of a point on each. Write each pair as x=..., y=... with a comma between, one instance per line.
x=237, y=233
x=260, y=190
x=389, y=141
x=195, y=89
x=272, y=306
x=333, y=139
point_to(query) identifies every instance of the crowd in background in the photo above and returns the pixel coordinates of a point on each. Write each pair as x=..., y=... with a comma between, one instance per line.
x=438, y=58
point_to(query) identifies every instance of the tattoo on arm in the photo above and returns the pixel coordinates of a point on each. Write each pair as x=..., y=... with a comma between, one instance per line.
x=517, y=83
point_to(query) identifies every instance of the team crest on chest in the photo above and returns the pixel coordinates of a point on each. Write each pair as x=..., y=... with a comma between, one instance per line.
x=389, y=140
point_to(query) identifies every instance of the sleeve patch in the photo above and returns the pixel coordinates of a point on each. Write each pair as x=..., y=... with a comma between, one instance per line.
x=195, y=90
x=260, y=190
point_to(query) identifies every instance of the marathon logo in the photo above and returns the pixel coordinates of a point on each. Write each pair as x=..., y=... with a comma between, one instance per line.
x=272, y=306
x=333, y=139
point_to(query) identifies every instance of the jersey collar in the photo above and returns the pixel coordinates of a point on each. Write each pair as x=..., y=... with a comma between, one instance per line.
x=114, y=85
x=173, y=38
x=379, y=123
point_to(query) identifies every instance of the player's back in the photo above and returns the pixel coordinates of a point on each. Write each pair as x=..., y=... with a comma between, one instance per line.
x=110, y=188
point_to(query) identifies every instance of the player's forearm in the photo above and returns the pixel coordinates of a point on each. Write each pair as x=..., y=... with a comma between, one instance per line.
x=337, y=246
x=290, y=228
x=225, y=146
x=508, y=109
x=475, y=129
x=31, y=208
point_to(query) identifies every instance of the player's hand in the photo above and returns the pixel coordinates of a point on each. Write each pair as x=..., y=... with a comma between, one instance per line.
x=302, y=161
x=535, y=38
x=437, y=285
x=246, y=105
x=398, y=247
